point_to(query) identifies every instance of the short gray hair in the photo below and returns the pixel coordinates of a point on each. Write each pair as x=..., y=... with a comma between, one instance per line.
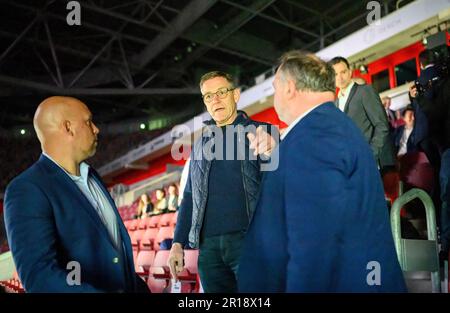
x=215, y=74
x=309, y=72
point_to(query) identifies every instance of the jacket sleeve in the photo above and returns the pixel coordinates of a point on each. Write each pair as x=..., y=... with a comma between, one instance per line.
x=32, y=236
x=377, y=117
x=184, y=218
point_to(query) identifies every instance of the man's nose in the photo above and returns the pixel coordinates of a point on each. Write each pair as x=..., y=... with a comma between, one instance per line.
x=95, y=129
x=214, y=97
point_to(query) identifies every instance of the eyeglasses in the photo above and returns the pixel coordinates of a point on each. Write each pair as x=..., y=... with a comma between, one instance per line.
x=221, y=93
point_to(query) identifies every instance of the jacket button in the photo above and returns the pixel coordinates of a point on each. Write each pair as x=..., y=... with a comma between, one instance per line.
x=116, y=260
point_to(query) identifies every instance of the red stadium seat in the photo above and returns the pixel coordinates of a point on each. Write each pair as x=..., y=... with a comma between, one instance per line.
x=173, y=221
x=143, y=262
x=391, y=182
x=165, y=219
x=126, y=223
x=135, y=254
x=148, y=239
x=153, y=222
x=133, y=224
x=142, y=224
x=165, y=232
x=188, y=276
x=159, y=276
x=136, y=237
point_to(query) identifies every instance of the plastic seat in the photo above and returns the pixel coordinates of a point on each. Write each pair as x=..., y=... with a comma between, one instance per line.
x=173, y=221
x=153, y=222
x=165, y=219
x=136, y=238
x=135, y=254
x=391, y=182
x=142, y=224
x=159, y=275
x=188, y=276
x=143, y=262
x=165, y=232
x=148, y=239
x=126, y=223
x=133, y=224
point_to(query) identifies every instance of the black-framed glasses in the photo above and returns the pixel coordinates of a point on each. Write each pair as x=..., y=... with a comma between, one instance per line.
x=221, y=93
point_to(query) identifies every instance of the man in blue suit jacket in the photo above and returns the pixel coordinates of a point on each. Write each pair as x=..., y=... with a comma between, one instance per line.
x=321, y=224
x=63, y=227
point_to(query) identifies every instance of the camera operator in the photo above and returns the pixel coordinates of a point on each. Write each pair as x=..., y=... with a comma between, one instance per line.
x=423, y=93
x=428, y=72
x=431, y=91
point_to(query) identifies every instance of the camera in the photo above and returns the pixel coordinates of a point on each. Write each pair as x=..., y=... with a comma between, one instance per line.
x=442, y=68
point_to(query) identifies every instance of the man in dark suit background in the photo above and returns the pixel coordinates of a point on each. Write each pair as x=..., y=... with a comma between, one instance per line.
x=363, y=105
x=63, y=227
x=428, y=72
x=321, y=223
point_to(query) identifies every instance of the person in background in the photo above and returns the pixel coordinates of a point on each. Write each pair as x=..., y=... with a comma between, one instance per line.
x=386, y=101
x=363, y=105
x=408, y=137
x=161, y=202
x=145, y=206
x=173, y=198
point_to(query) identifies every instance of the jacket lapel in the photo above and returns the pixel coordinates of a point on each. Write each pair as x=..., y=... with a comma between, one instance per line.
x=63, y=180
x=350, y=96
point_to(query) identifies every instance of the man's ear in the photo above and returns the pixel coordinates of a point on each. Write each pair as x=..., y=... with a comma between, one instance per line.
x=68, y=127
x=236, y=94
x=290, y=88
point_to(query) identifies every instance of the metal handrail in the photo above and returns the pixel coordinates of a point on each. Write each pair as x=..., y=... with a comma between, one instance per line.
x=431, y=227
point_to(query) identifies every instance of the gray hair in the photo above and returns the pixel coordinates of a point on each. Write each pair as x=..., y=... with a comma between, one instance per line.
x=309, y=72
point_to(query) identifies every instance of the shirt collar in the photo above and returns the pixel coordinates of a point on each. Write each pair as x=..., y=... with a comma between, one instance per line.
x=285, y=133
x=84, y=170
x=346, y=90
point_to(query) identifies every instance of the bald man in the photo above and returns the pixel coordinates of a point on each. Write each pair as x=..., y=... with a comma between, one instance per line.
x=63, y=227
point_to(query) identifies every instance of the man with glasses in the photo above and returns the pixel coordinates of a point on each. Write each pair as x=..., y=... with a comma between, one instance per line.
x=221, y=191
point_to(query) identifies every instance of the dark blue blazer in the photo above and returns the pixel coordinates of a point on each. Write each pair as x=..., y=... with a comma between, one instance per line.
x=50, y=223
x=321, y=216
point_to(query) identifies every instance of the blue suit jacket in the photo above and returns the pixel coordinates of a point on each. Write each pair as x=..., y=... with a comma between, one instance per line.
x=321, y=216
x=50, y=223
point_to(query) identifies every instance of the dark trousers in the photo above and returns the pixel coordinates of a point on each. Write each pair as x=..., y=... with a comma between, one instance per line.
x=444, y=176
x=218, y=262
